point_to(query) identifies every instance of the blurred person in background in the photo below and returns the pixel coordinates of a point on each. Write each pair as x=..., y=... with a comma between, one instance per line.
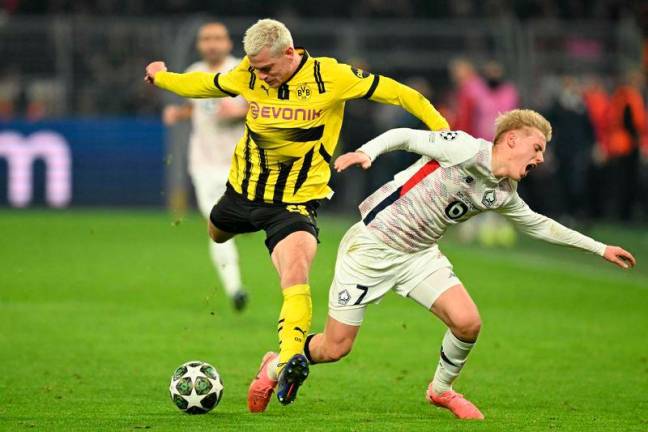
x=468, y=85
x=573, y=143
x=10, y=92
x=625, y=143
x=498, y=96
x=45, y=98
x=596, y=101
x=481, y=98
x=216, y=128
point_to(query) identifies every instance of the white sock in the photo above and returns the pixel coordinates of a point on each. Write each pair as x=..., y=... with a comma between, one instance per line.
x=453, y=356
x=225, y=259
x=272, y=368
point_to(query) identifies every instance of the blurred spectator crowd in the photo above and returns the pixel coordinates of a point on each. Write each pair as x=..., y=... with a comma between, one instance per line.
x=596, y=165
x=601, y=9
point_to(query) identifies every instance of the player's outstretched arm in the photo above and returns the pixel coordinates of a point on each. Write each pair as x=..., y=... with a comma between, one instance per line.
x=190, y=85
x=619, y=256
x=425, y=143
x=392, y=92
x=406, y=139
x=547, y=229
x=355, y=84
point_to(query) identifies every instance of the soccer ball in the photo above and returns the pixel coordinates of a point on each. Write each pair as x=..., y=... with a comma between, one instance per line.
x=196, y=387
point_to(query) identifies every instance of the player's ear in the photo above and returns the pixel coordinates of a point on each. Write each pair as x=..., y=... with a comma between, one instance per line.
x=511, y=138
x=289, y=51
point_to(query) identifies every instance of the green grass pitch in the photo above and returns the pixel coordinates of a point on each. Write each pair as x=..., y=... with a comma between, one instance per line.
x=98, y=308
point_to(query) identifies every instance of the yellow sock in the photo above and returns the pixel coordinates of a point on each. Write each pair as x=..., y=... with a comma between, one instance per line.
x=294, y=322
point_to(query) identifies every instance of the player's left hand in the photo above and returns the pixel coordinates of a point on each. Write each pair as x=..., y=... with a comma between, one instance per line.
x=352, y=158
x=619, y=256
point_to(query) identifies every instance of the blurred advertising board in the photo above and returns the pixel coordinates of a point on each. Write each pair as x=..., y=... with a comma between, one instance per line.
x=84, y=162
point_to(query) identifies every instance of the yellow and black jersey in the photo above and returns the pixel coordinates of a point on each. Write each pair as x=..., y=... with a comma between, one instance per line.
x=291, y=131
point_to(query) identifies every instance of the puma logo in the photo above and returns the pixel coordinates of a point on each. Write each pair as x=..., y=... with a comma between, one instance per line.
x=265, y=89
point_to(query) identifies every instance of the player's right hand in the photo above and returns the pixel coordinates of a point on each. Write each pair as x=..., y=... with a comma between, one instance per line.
x=619, y=256
x=352, y=158
x=152, y=69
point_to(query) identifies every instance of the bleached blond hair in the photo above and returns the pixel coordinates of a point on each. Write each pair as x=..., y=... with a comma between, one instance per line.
x=267, y=33
x=519, y=119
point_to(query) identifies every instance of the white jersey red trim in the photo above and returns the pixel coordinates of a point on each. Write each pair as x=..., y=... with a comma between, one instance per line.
x=451, y=183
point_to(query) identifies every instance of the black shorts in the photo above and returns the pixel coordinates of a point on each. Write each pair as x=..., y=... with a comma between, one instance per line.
x=236, y=215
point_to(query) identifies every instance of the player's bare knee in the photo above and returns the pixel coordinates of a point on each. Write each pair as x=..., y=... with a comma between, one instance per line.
x=296, y=272
x=467, y=328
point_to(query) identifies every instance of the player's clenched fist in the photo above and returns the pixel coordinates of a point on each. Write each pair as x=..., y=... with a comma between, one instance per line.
x=152, y=69
x=352, y=158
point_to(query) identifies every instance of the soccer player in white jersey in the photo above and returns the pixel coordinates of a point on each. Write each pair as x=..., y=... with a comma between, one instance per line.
x=216, y=128
x=395, y=244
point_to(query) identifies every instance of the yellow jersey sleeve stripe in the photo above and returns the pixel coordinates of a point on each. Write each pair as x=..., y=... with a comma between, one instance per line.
x=189, y=85
x=252, y=78
x=318, y=77
x=217, y=84
x=373, y=87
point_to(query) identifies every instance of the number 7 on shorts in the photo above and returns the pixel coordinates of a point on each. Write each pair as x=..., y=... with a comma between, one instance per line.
x=364, y=290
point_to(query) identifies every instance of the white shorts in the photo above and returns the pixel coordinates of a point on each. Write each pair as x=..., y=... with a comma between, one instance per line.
x=366, y=269
x=209, y=186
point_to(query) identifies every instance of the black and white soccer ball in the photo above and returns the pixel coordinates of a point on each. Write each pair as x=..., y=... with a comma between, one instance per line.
x=196, y=387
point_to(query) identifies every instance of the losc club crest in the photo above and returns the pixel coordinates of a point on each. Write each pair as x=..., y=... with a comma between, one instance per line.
x=344, y=297
x=489, y=198
x=303, y=92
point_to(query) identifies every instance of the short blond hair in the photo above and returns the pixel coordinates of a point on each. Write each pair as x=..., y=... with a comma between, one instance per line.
x=521, y=118
x=267, y=33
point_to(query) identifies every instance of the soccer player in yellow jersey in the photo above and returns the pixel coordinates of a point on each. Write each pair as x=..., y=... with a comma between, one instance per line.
x=280, y=168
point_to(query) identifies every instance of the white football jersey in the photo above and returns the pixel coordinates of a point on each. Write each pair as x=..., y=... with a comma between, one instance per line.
x=213, y=140
x=451, y=183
